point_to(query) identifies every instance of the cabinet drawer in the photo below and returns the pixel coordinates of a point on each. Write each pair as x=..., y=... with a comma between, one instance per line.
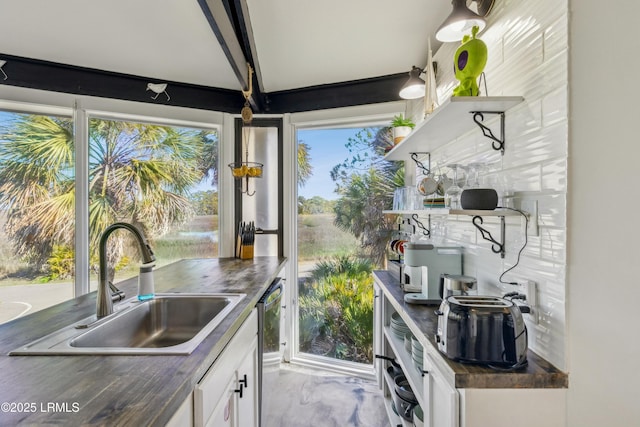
x=212, y=388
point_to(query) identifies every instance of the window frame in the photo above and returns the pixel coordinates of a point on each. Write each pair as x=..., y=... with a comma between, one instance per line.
x=367, y=115
x=81, y=110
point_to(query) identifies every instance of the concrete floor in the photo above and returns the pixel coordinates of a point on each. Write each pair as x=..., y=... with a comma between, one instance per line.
x=304, y=397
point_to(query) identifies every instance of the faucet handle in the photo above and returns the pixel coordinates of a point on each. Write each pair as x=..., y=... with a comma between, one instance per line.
x=116, y=294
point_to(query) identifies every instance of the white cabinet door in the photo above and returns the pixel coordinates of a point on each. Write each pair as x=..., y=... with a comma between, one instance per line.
x=443, y=409
x=217, y=396
x=225, y=413
x=184, y=415
x=247, y=379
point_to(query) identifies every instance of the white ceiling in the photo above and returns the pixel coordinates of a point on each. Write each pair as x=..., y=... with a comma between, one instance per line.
x=299, y=43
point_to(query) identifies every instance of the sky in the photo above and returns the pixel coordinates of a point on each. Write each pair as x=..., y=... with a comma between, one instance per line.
x=327, y=149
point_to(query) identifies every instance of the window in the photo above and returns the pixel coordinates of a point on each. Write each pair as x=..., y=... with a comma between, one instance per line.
x=343, y=186
x=161, y=177
x=37, y=205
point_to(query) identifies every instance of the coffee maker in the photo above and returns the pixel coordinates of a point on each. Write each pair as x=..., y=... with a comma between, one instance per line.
x=423, y=265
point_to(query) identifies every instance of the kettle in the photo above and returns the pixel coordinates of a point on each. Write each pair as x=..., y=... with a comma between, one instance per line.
x=455, y=284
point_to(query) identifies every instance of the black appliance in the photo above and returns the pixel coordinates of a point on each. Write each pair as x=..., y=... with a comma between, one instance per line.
x=482, y=329
x=269, y=344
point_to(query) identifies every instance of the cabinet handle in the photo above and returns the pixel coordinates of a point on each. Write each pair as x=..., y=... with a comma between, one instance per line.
x=243, y=382
x=239, y=391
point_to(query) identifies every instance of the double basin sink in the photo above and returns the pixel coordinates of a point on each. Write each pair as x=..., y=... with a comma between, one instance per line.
x=167, y=324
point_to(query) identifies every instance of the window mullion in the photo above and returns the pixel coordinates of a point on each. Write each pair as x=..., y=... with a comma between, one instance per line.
x=81, y=144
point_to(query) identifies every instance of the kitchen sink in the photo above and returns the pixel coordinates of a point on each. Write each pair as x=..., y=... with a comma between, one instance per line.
x=167, y=324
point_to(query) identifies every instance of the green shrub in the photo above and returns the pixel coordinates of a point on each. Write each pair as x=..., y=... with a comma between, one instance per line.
x=336, y=310
x=61, y=263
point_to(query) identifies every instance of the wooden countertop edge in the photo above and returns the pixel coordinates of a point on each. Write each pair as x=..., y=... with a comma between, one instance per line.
x=539, y=374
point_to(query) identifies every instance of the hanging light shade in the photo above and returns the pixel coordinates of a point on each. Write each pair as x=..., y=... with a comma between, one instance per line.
x=414, y=87
x=461, y=20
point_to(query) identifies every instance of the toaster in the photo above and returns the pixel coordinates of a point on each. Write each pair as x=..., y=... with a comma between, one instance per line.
x=482, y=329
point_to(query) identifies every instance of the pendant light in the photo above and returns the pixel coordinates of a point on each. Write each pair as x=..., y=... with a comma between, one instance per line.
x=462, y=19
x=414, y=87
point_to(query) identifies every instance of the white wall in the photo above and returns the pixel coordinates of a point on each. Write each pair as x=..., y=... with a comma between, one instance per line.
x=527, y=43
x=603, y=233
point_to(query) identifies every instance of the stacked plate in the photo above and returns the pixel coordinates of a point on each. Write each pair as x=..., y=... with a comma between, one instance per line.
x=408, y=339
x=398, y=327
x=417, y=353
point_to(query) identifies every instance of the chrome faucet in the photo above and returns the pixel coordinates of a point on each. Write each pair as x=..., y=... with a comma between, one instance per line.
x=104, y=303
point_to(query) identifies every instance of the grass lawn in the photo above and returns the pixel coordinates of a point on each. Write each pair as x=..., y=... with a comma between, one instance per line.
x=318, y=238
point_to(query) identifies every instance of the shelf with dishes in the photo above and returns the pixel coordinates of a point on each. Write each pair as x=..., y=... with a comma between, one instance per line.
x=405, y=389
x=497, y=246
x=447, y=123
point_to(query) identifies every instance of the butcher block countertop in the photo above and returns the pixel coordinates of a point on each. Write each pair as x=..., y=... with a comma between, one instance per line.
x=122, y=390
x=423, y=322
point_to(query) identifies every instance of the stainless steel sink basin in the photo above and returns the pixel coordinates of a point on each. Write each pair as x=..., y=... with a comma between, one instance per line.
x=167, y=324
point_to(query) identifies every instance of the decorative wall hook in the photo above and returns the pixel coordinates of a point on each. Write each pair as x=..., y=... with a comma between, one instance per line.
x=158, y=88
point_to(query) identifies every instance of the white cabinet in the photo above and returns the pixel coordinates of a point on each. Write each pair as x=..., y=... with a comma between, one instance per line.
x=440, y=397
x=227, y=396
x=183, y=417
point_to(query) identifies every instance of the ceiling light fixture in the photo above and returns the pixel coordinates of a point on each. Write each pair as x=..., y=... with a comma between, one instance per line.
x=462, y=19
x=414, y=87
x=2, y=62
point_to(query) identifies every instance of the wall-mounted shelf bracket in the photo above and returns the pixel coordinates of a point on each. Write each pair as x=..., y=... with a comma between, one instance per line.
x=496, y=143
x=426, y=231
x=425, y=169
x=496, y=247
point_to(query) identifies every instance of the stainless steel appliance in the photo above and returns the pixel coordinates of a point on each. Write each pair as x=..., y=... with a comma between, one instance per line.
x=482, y=329
x=424, y=263
x=269, y=344
x=454, y=284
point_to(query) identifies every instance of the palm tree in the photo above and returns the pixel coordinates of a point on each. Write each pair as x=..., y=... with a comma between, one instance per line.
x=305, y=170
x=139, y=173
x=37, y=188
x=365, y=184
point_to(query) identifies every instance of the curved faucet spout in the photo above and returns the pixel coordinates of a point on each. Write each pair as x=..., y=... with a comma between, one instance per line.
x=104, y=304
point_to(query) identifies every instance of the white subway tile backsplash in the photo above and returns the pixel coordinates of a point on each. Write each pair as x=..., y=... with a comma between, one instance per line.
x=554, y=107
x=555, y=37
x=552, y=210
x=538, y=147
x=528, y=56
x=553, y=244
x=554, y=175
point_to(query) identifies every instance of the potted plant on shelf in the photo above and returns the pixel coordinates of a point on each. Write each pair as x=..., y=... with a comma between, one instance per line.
x=401, y=128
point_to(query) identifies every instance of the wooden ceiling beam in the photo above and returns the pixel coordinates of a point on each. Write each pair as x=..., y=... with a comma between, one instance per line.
x=218, y=16
x=56, y=77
